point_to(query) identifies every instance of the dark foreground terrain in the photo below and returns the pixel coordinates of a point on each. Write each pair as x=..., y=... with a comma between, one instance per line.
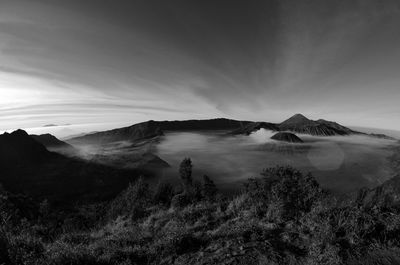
x=282, y=218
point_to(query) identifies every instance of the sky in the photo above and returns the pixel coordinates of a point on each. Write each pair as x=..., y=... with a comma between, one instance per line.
x=98, y=64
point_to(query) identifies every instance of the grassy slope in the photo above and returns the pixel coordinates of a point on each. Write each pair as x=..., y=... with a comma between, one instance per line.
x=285, y=218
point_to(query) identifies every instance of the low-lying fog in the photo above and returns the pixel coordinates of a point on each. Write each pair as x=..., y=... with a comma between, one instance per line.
x=342, y=163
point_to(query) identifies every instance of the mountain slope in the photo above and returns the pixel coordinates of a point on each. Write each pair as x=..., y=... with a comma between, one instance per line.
x=27, y=166
x=286, y=137
x=49, y=140
x=52, y=143
x=296, y=120
x=17, y=147
x=150, y=129
x=300, y=124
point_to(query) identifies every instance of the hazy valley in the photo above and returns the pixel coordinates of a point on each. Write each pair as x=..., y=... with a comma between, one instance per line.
x=342, y=163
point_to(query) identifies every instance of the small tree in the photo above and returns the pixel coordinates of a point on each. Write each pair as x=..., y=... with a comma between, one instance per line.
x=209, y=190
x=185, y=172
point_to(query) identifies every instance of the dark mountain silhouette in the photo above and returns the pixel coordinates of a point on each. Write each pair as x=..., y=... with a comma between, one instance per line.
x=52, y=143
x=18, y=147
x=286, y=137
x=300, y=124
x=150, y=129
x=27, y=166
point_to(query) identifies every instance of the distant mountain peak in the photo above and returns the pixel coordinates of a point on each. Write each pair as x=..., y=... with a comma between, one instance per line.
x=300, y=124
x=296, y=119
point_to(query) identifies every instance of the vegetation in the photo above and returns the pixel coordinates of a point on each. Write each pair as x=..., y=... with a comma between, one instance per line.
x=284, y=217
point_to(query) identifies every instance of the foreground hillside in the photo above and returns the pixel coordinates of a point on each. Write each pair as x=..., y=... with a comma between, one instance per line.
x=26, y=166
x=282, y=218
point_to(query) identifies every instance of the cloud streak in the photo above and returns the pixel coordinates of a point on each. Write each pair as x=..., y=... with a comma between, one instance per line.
x=259, y=60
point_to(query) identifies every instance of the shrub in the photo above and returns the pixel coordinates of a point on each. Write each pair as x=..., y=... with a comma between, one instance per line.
x=287, y=188
x=131, y=202
x=180, y=200
x=185, y=172
x=209, y=190
x=163, y=193
x=26, y=249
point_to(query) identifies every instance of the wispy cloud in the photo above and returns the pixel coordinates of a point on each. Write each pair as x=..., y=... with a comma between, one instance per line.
x=97, y=61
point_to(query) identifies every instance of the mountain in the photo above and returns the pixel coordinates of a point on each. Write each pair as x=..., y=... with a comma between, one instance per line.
x=287, y=137
x=296, y=119
x=52, y=143
x=336, y=126
x=17, y=147
x=26, y=166
x=150, y=129
x=49, y=140
x=300, y=124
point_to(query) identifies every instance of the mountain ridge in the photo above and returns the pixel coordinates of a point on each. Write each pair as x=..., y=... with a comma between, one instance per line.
x=150, y=129
x=52, y=143
x=298, y=123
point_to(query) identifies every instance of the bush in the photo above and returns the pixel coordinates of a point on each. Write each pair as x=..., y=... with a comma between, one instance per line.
x=131, y=202
x=185, y=172
x=163, y=193
x=209, y=190
x=181, y=200
x=287, y=188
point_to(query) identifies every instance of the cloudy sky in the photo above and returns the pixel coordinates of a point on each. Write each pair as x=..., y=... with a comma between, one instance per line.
x=114, y=63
